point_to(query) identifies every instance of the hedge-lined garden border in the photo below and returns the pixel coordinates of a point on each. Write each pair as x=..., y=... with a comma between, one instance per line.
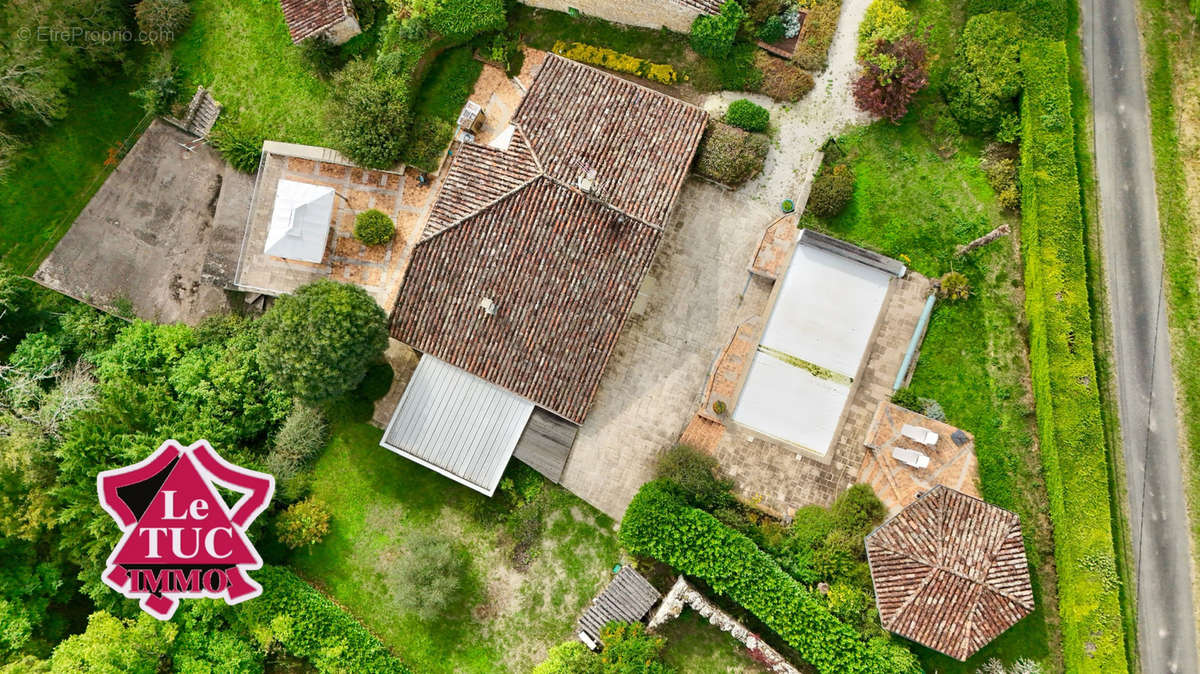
x=658, y=524
x=1070, y=426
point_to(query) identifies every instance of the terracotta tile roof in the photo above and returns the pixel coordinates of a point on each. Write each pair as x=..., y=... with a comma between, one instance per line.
x=950, y=572
x=562, y=268
x=705, y=6
x=639, y=142
x=562, y=271
x=479, y=176
x=309, y=17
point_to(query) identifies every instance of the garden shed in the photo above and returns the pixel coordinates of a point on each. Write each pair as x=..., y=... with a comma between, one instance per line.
x=628, y=598
x=300, y=221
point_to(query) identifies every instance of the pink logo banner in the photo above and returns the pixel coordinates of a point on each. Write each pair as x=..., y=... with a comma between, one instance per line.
x=180, y=539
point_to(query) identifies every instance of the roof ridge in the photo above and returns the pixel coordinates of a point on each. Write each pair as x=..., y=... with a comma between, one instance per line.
x=455, y=223
x=601, y=202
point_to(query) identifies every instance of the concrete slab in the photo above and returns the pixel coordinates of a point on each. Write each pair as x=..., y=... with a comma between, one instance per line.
x=162, y=232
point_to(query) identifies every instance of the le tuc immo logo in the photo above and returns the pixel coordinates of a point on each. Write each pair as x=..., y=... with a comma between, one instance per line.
x=180, y=539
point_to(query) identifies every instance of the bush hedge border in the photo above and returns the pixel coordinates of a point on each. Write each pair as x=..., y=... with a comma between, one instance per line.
x=1069, y=418
x=658, y=524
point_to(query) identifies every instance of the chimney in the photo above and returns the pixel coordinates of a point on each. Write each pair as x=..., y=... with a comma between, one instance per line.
x=488, y=306
x=587, y=182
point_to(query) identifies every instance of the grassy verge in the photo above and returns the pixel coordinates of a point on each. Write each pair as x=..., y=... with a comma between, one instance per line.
x=1171, y=39
x=1070, y=423
x=910, y=201
x=62, y=167
x=241, y=50
x=695, y=645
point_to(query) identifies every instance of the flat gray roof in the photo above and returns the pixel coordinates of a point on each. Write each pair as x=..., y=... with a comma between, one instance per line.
x=457, y=424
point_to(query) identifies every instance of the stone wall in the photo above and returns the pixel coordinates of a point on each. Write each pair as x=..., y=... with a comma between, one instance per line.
x=343, y=30
x=682, y=594
x=645, y=13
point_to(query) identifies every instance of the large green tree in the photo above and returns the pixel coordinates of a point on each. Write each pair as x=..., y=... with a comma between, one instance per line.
x=317, y=343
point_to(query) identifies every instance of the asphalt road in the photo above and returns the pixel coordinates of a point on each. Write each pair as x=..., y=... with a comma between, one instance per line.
x=1133, y=252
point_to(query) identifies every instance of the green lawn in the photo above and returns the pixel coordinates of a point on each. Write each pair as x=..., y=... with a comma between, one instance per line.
x=506, y=619
x=911, y=202
x=695, y=645
x=241, y=50
x=62, y=167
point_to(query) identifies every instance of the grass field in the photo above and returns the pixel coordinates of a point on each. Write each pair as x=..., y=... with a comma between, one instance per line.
x=910, y=201
x=62, y=167
x=241, y=50
x=505, y=619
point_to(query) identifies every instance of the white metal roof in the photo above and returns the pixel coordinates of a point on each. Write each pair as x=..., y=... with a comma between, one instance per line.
x=300, y=222
x=457, y=424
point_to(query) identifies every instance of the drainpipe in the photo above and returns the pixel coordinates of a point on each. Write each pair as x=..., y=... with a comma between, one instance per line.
x=916, y=339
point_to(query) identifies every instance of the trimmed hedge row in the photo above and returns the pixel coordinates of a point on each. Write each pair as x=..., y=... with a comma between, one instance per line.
x=658, y=524
x=1069, y=422
x=615, y=60
x=1041, y=18
x=308, y=625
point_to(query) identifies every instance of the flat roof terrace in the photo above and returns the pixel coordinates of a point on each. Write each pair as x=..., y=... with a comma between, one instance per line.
x=378, y=269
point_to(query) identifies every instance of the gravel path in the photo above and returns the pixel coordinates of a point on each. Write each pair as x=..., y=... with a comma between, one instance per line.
x=805, y=126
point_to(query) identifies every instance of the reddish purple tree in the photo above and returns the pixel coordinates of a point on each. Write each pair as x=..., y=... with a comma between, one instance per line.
x=887, y=93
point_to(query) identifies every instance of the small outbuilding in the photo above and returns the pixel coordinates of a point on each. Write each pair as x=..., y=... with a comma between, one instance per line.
x=334, y=19
x=950, y=572
x=627, y=599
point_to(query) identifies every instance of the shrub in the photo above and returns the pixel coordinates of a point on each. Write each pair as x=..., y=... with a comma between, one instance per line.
x=885, y=21
x=298, y=441
x=713, y=36
x=816, y=35
x=429, y=140
x=832, y=190
x=316, y=344
x=373, y=227
x=760, y=11
x=886, y=90
x=772, y=30
x=369, y=116
x=953, y=286
x=242, y=149
x=308, y=625
x=738, y=71
x=985, y=78
x=1000, y=167
x=428, y=577
x=697, y=475
x=907, y=399
x=614, y=60
x=857, y=511
x=321, y=54
x=1062, y=359
x=791, y=22
x=730, y=155
x=748, y=115
x=781, y=80
x=161, y=87
x=570, y=657
x=303, y=524
x=628, y=648
x=658, y=525
x=160, y=22
x=38, y=353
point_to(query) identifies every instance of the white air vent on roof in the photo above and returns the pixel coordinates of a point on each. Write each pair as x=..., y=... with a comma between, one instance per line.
x=587, y=182
x=488, y=306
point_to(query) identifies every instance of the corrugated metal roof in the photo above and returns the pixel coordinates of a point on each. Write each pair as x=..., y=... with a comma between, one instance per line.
x=457, y=424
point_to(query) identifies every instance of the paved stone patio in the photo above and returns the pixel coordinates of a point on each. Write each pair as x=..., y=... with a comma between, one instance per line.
x=695, y=295
x=951, y=462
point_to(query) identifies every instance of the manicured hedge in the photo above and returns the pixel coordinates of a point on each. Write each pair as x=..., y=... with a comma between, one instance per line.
x=1041, y=18
x=615, y=60
x=1069, y=422
x=816, y=35
x=658, y=524
x=308, y=625
x=730, y=155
